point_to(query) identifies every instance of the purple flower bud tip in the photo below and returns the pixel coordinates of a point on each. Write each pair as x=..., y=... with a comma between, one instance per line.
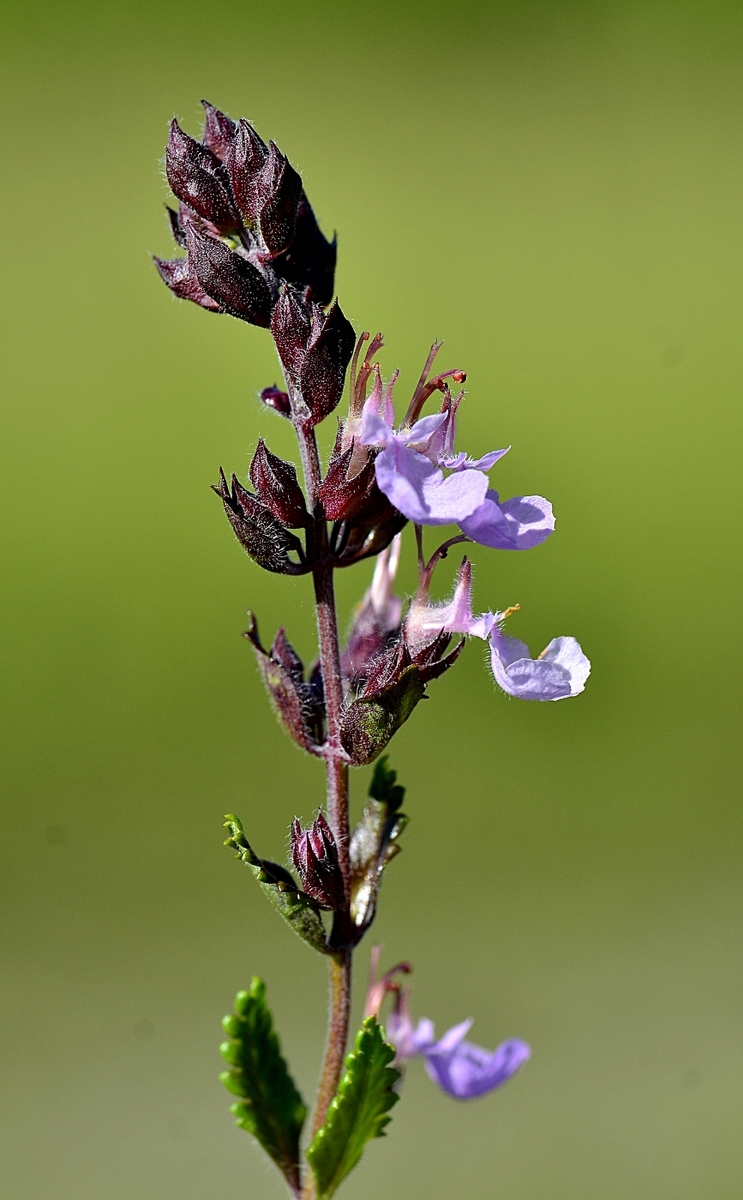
x=274, y=398
x=386, y=605
x=219, y=131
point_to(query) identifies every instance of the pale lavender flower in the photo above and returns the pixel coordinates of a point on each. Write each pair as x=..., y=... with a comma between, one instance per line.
x=407, y=469
x=460, y=1068
x=561, y=669
x=409, y=472
x=464, y=1070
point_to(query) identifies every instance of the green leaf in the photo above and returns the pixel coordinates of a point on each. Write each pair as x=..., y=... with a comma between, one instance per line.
x=384, y=788
x=358, y=1110
x=374, y=842
x=295, y=906
x=271, y=1108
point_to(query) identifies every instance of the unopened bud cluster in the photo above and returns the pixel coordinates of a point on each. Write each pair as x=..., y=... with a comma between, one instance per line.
x=244, y=219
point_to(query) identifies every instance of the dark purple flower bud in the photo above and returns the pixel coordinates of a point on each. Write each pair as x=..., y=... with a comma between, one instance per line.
x=196, y=177
x=266, y=187
x=219, y=131
x=278, y=189
x=387, y=667
x=274, y=398
x=177, y=274
x=315, y=857
x=244, y=162
x=395, y=682
x=427, y=655
x=275, y=481
x=315, y=349
x=343, y=497
x=229, y=278
x=326, y=360
x=261, y=536
x=310, y=260
x=431, y=659
x=298, y=909
x=291, y=323
x=298, y=706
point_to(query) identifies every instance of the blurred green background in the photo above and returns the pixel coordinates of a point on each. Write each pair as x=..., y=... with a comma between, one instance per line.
x=556, y=189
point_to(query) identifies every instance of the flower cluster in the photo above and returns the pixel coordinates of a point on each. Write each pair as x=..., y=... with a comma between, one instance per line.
x=245, y=221
x=417, y=469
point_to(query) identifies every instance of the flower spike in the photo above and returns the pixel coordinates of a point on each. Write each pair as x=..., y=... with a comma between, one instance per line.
x=251, y=248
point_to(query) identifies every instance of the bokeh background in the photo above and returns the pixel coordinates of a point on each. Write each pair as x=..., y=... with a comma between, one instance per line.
x=555, y=189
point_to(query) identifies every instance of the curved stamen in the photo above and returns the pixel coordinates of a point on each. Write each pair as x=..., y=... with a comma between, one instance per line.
x=426, y=572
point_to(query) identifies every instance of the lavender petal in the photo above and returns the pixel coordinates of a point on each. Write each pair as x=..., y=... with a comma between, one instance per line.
x=559, y=672
x=516, y=524
x=419, y=490
x=470, y=1071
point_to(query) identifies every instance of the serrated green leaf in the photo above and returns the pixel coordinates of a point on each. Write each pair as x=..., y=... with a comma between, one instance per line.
x=270, y=1108
x=358, y=1111
x=297, y=908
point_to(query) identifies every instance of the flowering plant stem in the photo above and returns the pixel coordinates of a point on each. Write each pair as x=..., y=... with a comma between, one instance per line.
x=336, y=768
x=335, y=1049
